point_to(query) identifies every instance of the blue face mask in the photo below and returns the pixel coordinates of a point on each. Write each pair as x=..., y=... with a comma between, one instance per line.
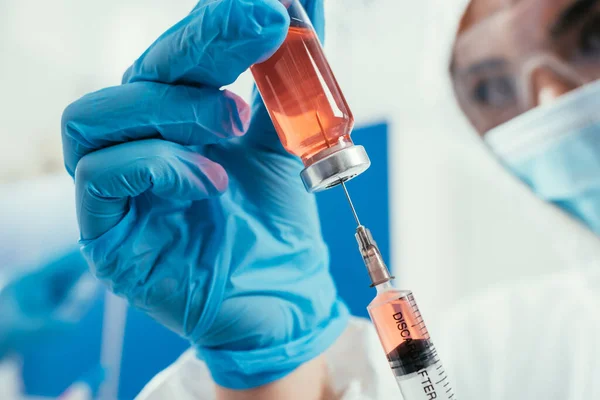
x=555, y=149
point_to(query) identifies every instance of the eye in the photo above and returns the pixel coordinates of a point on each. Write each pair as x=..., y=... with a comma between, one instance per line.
x=589, y=40
x=496, y=91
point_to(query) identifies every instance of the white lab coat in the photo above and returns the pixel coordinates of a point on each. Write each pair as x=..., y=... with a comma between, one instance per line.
x=357, y=366
x=534, y=340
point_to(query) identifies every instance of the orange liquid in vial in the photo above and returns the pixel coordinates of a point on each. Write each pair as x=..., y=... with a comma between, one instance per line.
x=302, y=96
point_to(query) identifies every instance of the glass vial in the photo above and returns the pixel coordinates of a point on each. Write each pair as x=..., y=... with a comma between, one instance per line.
x=307, y=107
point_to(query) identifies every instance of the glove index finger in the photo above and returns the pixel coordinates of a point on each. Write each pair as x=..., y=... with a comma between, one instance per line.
x=214, y=44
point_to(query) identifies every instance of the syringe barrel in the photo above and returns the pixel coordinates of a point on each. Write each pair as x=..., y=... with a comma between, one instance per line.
x=406, y=342
x=307, y=107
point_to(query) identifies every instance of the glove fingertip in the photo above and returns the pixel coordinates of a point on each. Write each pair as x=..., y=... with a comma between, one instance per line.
x=272, y=27
x=217, y=176
x=239, y=113
x=70, y=135
x=127, y=75
x=205, y=178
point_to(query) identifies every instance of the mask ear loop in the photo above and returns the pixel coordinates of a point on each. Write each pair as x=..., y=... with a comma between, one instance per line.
x=547, y=61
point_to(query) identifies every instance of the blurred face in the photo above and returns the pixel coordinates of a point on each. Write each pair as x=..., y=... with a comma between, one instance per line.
x=513, y=55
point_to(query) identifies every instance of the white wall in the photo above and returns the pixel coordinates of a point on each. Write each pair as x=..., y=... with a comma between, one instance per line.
x=53, y=52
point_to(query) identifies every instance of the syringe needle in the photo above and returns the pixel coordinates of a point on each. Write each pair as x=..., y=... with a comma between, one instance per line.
x=351, y=205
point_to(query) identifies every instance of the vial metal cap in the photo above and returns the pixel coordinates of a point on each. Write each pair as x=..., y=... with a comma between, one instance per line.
x=337, y=167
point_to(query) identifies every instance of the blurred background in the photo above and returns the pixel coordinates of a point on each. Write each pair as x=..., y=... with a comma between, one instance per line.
x=450, y=220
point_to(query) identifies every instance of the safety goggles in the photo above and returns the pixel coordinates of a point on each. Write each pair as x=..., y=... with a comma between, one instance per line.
x=524, y=54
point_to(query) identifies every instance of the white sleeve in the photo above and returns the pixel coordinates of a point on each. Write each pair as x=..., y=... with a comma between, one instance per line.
x=533, y=340
x=357, y=366
x=468, y=344
x=187, y=378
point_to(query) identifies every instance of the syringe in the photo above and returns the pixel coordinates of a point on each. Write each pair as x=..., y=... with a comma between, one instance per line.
x=401, y=329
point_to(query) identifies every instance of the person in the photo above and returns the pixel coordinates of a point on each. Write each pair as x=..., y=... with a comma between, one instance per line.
x=188, y=204
x=189, y=207
x=525, y=78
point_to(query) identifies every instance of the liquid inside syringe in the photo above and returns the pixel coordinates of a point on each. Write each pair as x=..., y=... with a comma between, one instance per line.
x=401, y=329
x=410, y=352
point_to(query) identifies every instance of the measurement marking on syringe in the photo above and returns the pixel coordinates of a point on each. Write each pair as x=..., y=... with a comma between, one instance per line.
x=440, y=367
x=441, y=380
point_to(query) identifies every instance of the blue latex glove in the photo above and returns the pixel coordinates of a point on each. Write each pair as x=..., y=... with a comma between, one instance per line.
x=38, y=305
x=193, y=211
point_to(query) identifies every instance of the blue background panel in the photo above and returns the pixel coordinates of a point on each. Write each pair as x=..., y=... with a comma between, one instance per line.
x=50, y=367
x=149, y=347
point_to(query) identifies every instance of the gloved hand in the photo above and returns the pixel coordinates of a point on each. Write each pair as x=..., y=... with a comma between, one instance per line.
x=43, y=303
x=193, y=211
